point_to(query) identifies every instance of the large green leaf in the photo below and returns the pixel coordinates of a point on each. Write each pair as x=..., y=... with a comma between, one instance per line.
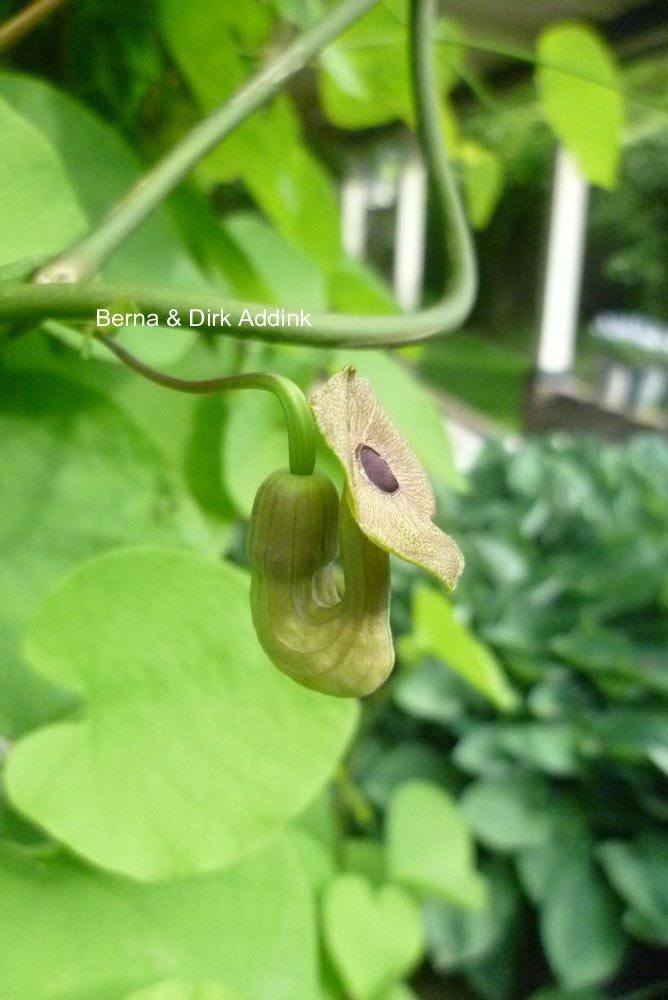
x=438, y=633
x=76, y=478
x=292, y=277
x=189, y=749
x=70, y=933
x=430, y=848
x=581, y=93
x=39, y=208
x=373, y=937
x=580, y=926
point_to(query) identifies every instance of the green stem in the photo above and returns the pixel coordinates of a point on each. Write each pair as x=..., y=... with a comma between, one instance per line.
x=85, y=258
x=31, y=301
x=17, y=27
x=298, y=416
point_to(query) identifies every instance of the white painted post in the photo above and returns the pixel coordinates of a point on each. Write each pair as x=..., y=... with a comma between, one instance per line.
x=409, y=234
x=354, y=206
x=561, y=296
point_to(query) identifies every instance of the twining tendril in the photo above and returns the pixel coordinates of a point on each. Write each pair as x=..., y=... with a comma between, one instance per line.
x=296, y=411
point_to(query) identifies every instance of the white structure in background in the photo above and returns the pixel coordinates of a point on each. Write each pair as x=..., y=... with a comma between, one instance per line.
x=369, y=188
x=563, y=277
x=397, y=179
x=641, y=385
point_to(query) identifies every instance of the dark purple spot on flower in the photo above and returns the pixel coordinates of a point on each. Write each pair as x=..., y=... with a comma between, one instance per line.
x=377, y=470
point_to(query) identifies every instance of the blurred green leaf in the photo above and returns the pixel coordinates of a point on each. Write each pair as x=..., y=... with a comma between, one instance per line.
x=457, y=936
x=353, y=287
x=580, y=925
x=483, y=181
x=294, y=190
x=291, y=276
x=364, y=856
x=509, y=813
x=183, y=991
x=638, y=870
x=315, y=859
x=581, y=93
x=399, y=992
x=98, y=936
x=405, y=761
x=557, y=994
x=40, y=211
x=172, y=729
x=77, y=478
x=373, y=937
x=429, y=847
x=492, y=749
x=438, y=633
x=430, y=692
x=364, y=77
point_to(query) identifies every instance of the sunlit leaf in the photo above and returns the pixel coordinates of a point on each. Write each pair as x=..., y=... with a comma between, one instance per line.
x=430, y=848
x=373, y=937
x=438, y=633
x=581, y=94
x=181, y=716
x=73, y=933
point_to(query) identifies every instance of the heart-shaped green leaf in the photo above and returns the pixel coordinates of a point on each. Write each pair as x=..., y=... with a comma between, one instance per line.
x=373, y=938
x=429, y=846
x=72, y=933
x=582, y=98
x=189, y=749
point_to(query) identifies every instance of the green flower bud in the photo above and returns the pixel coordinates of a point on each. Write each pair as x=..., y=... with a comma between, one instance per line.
x=339, y=644
x=293, y=529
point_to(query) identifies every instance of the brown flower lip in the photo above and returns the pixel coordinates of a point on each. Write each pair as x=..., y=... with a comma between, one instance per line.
x=387, y=489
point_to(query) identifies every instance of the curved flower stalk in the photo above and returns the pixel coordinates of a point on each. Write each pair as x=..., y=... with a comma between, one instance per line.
x=341, y=643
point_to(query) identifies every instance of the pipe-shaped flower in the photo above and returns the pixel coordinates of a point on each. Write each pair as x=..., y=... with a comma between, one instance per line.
x=388, y=490
x=339, y=641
